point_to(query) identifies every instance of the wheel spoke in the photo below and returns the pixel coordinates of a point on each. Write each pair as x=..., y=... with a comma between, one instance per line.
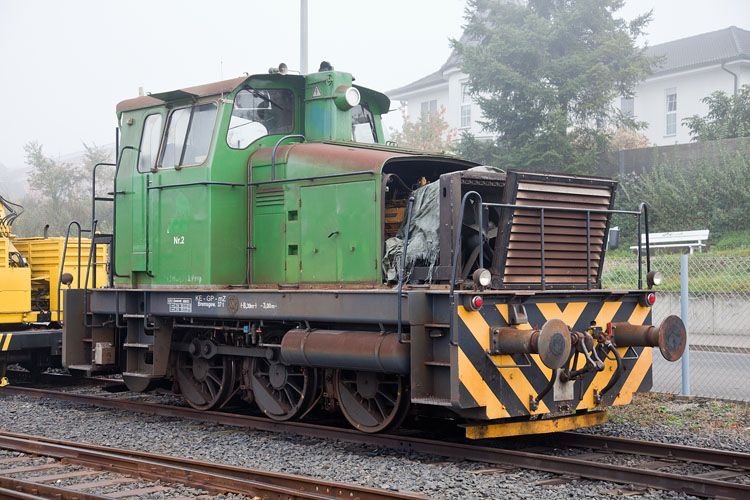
x=387, y=398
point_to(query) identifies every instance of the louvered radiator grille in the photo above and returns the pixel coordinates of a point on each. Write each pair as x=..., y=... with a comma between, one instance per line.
x=565, y=250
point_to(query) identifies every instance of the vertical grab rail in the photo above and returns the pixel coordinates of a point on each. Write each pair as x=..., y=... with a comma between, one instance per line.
x=644, y=209
x=643, y=214
x=639, y=252
x=62, y=263
x=402, y=270
x=588, y=249
x=457, y=246
x=94, y=199
x=88, y=270
x=542, y=278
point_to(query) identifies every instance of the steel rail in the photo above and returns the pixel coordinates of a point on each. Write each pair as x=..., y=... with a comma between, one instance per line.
x=215, y=478
x=24, y=489
x=718, y=458
x=564, y=465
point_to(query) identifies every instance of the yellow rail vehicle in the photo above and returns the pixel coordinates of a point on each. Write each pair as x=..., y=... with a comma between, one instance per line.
x=30, y=307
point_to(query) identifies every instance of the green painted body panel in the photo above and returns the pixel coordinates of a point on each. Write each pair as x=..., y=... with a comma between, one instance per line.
x=340, y=233
x=189, y=226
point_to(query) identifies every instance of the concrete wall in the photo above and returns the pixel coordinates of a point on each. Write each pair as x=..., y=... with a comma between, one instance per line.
x=710, y=314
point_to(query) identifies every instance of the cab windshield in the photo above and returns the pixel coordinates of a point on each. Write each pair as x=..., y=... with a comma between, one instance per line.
x=257, y=113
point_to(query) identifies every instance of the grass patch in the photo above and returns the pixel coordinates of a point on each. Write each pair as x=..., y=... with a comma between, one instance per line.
x=733, y=241
x=709, y=272
x=693, y=414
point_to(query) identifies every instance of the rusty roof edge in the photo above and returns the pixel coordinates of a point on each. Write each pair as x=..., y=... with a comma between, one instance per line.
x=198, y=91
x=205, y=90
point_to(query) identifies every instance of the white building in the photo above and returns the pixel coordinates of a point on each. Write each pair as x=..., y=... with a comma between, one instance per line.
x=688, y=70
x=443, y=89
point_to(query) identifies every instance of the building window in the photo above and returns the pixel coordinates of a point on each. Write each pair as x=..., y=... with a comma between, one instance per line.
x=627, y=107
x=671, y=108
x=429, y=107
x=465, y=106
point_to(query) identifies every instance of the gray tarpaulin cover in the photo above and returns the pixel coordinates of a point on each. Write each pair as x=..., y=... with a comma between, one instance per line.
x=423, y=236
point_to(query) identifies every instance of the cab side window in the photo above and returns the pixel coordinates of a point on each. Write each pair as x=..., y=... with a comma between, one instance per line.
x=189, y=135
x=257, y=113
x=149, y=148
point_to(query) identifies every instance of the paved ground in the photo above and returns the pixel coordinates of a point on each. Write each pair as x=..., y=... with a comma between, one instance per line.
x=712, y=374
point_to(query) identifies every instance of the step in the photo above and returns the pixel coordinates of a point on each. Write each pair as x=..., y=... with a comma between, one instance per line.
x=134, y=345
x=431, y=401
x=443, y=364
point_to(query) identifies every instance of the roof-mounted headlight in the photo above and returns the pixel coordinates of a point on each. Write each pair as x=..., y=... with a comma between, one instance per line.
x=347, y=98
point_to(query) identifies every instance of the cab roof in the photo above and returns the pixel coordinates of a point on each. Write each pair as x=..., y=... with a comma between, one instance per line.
x=227, y=86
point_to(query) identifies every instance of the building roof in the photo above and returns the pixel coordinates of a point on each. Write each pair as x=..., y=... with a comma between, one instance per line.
x=716, y=47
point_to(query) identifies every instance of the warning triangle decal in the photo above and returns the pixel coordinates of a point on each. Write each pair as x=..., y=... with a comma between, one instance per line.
x=316, y=92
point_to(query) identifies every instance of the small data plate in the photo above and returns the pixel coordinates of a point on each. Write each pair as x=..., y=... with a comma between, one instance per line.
x=563, y=391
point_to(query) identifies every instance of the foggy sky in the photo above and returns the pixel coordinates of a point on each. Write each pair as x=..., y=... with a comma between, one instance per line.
x=64, y=65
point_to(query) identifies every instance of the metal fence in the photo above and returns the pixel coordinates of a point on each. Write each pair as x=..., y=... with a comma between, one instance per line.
x=717, y=361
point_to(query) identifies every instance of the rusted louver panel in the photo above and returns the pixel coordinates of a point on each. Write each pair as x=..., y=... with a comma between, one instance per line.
x=565, y=249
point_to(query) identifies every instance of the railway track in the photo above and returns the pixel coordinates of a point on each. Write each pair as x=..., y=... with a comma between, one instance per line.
x=725, y=470
x=89, y=467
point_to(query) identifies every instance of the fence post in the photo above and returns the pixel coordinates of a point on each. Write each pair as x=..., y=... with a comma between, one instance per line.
x=684, y=314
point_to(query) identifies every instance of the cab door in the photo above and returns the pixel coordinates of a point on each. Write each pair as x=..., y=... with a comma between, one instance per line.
x=141, y=135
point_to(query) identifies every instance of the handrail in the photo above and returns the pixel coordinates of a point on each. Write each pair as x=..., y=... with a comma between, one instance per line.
x=94, y=199
x=641, y=213
x=92, y=251
x=197, y=183
x=62, y=263
x=276, y=147
x=315, y=177
x=457, y=246
x=113, y=248
x=92, y=247
x=402, y=270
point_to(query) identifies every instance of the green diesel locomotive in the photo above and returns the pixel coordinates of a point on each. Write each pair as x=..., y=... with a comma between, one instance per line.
x=269, y=245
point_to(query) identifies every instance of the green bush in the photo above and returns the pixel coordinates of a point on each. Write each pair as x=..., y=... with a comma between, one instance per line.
x=701, y=194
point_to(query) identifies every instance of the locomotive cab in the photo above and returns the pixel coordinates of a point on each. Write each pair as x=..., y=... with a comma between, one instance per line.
x=187, y=157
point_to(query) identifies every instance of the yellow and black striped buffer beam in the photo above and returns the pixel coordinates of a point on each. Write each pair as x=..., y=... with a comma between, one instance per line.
x=502, y=386
x=5, y=339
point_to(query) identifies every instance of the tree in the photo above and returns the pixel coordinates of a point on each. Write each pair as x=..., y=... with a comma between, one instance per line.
x=728, y=117
x=61, y=191
x=546, y=74
x=627, y=138
x=428, y=133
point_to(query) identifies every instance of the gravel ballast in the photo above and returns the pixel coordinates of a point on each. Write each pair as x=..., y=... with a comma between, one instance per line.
x=352, y=463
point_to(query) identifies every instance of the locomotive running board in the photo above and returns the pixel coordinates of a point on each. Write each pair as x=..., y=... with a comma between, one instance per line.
x=545, y=426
